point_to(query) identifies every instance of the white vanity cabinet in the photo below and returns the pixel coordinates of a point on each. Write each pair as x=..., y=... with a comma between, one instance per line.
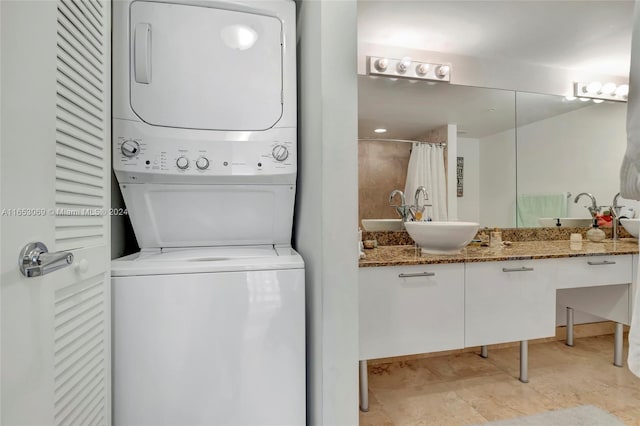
x=508, y=301
x=411, y=309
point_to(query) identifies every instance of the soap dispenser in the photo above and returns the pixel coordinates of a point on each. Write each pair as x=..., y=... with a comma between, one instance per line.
x=595, y=234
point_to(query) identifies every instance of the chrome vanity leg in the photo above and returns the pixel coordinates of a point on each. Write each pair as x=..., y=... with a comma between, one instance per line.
x=484, y=351
x=364, y=387
x=524, y=361
x=569, y=326
x=617, y=345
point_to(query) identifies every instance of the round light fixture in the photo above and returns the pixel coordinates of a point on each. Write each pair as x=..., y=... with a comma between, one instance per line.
x=622, y=90
x=422, y=69
x=404, y=64
x=584, y=99
x=570, y=98
x=593, y=87
x=608, y=88
x=380, y=130
x=442, y=71
x=598, y=101
x=381, y=64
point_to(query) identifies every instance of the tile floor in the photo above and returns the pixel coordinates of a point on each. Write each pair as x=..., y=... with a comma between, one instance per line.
x=466, y=389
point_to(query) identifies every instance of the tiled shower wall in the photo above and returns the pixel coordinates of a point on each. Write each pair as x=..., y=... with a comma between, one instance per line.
x=382, y=167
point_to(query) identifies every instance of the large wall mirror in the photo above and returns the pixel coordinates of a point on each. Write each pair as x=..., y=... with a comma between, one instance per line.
x=519, y=153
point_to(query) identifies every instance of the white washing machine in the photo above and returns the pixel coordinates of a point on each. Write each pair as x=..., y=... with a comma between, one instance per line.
x=209, y=336
x=208, y=319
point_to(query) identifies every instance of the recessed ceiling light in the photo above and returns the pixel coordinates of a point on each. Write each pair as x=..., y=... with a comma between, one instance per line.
x=570, y=98
x=380, y=130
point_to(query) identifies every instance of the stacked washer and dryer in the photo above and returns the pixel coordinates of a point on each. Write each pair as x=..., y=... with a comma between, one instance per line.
x=209, y=317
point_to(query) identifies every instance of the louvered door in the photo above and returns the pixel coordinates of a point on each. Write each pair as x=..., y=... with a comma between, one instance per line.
x=54, y=177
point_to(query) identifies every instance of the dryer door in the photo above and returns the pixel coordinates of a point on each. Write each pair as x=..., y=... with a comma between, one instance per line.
x=205, y=68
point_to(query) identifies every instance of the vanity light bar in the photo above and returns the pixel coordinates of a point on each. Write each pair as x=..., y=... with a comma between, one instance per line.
x=406, y=68
x=596, y=90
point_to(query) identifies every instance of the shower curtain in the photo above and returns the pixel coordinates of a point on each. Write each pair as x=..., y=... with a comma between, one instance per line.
x=426, y=168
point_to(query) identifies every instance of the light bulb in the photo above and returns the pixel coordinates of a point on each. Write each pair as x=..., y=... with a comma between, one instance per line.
x=442, y=71
x=608, y=88
x=422, y=69
x=593, y=87
x=381, y=64
x=570, y=98
x=404, y=64
x=584, y=99
x=598, y=101
x=381, y=130
x=622, y=90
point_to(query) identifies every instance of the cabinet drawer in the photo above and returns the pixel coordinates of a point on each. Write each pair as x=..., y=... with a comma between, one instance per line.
x=508, y=301
x=591, y=271
x=410, y=310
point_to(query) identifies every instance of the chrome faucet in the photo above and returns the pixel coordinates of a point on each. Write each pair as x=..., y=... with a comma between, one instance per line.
x=416, y=207
x=615, y=216
x=403, y=210
x=594, y=209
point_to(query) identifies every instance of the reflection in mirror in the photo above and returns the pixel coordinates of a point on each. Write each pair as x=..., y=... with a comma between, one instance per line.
x=478, y=127
x=565, y=148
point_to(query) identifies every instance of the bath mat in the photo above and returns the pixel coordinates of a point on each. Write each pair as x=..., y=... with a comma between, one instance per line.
x=583, y=415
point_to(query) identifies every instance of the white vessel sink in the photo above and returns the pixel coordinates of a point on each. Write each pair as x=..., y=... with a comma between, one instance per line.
x=632, y=226
x=568, y=222
x=374, y=225
x=442, y=237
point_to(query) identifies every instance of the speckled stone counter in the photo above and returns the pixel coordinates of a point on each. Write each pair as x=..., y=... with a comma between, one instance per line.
x=520, y=250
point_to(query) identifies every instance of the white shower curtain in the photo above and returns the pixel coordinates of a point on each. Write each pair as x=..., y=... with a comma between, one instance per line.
x=426, y=168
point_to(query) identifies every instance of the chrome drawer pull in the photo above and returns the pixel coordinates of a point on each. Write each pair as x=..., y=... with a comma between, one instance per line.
x=604, y=262
x=421, y=274
x=523, y=269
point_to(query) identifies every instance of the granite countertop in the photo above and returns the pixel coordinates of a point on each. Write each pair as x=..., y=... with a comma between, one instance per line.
x=518, y=250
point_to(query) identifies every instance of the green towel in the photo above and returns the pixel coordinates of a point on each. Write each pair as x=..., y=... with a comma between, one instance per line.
x=532, y=207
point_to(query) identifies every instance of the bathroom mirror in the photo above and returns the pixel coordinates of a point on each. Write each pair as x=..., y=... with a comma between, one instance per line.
x=565, y=147
x=555, y=147
x=480, y=123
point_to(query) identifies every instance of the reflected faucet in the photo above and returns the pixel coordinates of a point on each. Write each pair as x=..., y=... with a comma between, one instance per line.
x=615, y=216
x=416, y=207
x=403, y=210
x=594, y=209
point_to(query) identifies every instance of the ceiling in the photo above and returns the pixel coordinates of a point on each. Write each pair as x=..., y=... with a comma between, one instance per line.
x=408, y=109
x=592, y=36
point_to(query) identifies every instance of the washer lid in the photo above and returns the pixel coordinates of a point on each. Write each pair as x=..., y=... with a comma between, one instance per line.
x=206, y=259
x=201, y=67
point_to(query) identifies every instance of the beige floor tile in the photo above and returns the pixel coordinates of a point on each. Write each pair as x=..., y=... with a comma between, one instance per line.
x=466, y=389
x=376, y=416
x=400, y=375
x=438, y=408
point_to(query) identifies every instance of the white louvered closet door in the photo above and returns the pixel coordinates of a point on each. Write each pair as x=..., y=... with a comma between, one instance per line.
x=54, y=188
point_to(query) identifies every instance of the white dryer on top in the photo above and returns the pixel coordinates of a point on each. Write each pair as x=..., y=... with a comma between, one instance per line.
x=204, y=120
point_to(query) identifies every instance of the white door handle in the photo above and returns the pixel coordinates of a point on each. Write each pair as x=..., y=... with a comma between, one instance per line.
x=142, y=53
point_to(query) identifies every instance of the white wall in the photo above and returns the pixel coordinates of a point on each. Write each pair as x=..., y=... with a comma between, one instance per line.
x=579, y=151
x=469, y=203
x=325, y=231
x=497, y=180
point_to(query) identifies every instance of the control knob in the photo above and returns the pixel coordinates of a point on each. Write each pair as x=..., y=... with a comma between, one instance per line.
x=280, y=152
x=202, y=163
x=130, y=148
x=182, y=163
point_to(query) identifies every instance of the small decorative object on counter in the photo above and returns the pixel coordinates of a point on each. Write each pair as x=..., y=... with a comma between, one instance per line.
x=370, y=244
x=495, y=238
x=595, y=234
